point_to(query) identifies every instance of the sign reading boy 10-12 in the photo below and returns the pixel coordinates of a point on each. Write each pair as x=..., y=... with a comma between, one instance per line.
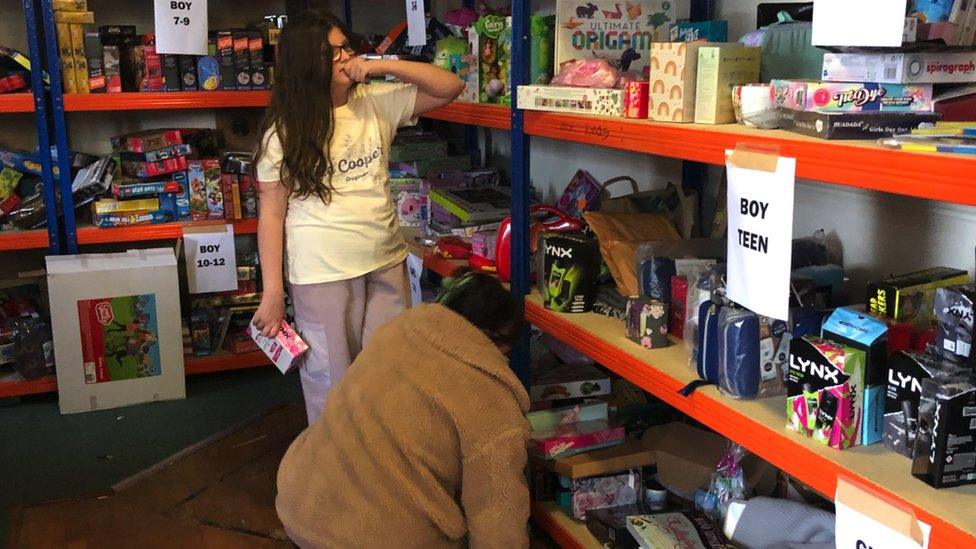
x=760, y=237
x=181, y=26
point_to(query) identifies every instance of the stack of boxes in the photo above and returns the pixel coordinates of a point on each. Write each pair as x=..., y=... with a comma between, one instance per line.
x=175, y=175
x=116, y=58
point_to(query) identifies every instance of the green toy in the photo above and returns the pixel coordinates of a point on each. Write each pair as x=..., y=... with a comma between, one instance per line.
x=495, y=58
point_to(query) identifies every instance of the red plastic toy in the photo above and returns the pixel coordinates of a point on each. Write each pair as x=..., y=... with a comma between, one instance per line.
x=559, y=223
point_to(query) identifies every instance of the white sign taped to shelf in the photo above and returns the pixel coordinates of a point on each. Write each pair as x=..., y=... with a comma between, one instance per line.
x=415, y=268
x=181, y=26
x=760, y=235
x=868, y=522
x=416, y=23
x=211, y=259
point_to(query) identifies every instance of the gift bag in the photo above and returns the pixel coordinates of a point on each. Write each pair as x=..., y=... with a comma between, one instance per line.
x=678, y=204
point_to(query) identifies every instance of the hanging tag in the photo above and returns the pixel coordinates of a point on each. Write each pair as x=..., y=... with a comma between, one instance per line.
x=181, y=26
x=416, y=23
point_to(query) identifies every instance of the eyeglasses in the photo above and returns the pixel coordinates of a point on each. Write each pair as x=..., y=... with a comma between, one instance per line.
x=337, y=51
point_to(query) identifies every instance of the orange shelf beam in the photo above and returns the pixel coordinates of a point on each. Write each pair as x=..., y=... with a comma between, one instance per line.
x=474, y=114
x=162, y=231
x=775, y=445
x=146, y=101
x=16, y=102
x=544, y=517
x=24, y=240
x=193, y=365
x=851, y=163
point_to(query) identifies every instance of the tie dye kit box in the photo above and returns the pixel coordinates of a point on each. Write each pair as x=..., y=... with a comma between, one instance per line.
x=673, y=70
x=620, y=32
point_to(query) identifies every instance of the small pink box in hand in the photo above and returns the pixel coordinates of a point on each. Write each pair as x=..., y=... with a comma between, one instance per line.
x=285, y=349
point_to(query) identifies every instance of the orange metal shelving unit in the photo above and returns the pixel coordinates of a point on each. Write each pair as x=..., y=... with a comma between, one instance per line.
x=24, y=240
x=16, y=102
x=474, y=114
x=193, y=365
x=162, y=231
x=143, y=101
x=851, y=163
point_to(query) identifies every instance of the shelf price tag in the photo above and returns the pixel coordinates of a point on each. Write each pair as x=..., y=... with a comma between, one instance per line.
x=760, y=235
x=211, y=259
x=416, y=23
x=181, y=26
x=865, y=521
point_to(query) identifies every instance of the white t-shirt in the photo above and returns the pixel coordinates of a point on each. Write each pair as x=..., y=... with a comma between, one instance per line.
x=357, y=232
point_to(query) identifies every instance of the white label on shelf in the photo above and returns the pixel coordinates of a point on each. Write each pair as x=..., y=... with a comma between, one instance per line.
x=211, y=259
x=416, y=23
x=415, y=267
x=841, y=23
x=760, y=208
x=868, y=522
x=181, y=27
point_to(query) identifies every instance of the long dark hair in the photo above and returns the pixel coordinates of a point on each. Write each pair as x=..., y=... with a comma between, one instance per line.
x=301, y=109
x=484, y=302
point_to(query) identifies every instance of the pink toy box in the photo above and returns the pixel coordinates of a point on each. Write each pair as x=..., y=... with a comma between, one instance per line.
x=800, y=95
x=574, y=438
x=286, y=349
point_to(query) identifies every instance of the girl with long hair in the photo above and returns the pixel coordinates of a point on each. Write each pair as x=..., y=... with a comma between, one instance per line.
x=325, y=210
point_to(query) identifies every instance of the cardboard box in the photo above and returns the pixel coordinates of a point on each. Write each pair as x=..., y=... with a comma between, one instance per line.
x=945, y=445
x=693, y=31
x=285, y=350
x=954, y=313
x=225, y=59
x=242, y=60
x=903, y=388
x=78, y=54
x=259, y=76
x=410, y=200
x=911, y=297
x=111, y=64
x=673, y=73
x=215, y=193
x=720, y=67
x=859, y=330
x=853, y=125
x=198, y=191
x=575, y=438
x=901, y=68
x=543, y=420
x=95, y=62
x=632, y=454
x=825, y=391
x=404, y=152
x=801, y=95
x=116, y=344
x=562, y=381
x=188, y=72
x=604, y=102
x=68, y=82
x=686, y=457
x=171, y=72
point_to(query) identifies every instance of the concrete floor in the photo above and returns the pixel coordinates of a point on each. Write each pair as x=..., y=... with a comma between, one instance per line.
x=46, y=456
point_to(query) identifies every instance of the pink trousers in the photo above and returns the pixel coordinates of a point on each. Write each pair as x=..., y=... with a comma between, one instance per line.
x=336, y=320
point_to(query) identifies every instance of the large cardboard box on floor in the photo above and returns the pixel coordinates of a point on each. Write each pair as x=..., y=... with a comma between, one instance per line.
x=686, y=457
x=116, y=323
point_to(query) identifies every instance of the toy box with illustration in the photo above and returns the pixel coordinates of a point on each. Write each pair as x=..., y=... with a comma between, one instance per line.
x=694, y=31
x=825, y=391
x=720, y=68
x=546, y=420
x=647, y=322
x=903, y=389
x=285, y=350
x=945, y=446
x=673, y=73
x=944, y=67
x=494, y=58
x=570, y=267
x=801, y=95
x=859, y=330
x=564, y=381
x=574, y=438
x=425, y=168
x=473, y=205
x=911, y=297
x=589, y=494
x=116, y=344
x=954, y=315
x=621, y=33
x=853, y=125
x=417, y=150
x=410, y=200
x=605, y=102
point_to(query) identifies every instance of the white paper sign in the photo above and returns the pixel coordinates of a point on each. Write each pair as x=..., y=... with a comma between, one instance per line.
x=415, y=267
x=211, y=259
x=860, y=23
x=760, y=208
x=867, y=522
x=416, y=23
x=181, y=26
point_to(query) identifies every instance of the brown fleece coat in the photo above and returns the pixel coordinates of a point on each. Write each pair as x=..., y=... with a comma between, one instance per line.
x=422, y=444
